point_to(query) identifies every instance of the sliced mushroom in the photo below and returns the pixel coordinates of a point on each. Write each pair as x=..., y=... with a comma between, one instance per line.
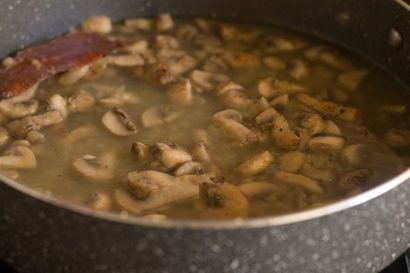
x=158, y=73
x=172, y=156
x=81, y=102
x=352, y=154
x=280, y=101
x=186, y=32
x=206, y=81
x=126, y=60
x=257, y=189
x=324, y=175
x=351, y=80
x=114, y=95
x=304, y=182
x=35, y=137
x=397, y=137
x=159, y=114
x=169, y=189
x=332, y=144
x=180, y=65
x=96, y=169
x=355, y=178
x=58, y=103
x=313, y=122
x=201, y=136
x=242, y=60
x=235, y=99
x=141, y=150
x=17, y=110
x=78, y=134
x=74, y=75
x=164, y=22
x=180, y=92
x=99, y=201
x=335, y=59
x=234, y=130
x=298, y=69
x=100, y=24
x=283, y=136
x=291, y=161
x=23, y=96
x=166, y=41
x=4, y=137
x=223, y=201
x=139, y=46
x=270, y=87
x=200, y=152
x=215, y=63
x=329, y=108
x=189, y=167
x=118, y=122
x=229, y=114
x=274, y=63
x=332, y=128
x=18, y=157
x=256, y=163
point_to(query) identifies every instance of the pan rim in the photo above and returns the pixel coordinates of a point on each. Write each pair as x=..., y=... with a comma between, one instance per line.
x=261, y=222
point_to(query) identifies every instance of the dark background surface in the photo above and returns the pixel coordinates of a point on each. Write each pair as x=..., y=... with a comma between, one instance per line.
x=400, y=265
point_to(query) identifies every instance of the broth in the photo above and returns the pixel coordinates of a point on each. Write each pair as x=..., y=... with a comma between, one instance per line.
x=201, y=119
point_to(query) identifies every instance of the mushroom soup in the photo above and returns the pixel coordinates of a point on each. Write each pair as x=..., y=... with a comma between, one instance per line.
x=198, y=119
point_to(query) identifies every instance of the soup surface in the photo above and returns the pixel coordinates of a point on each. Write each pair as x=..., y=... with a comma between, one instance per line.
x=201, y=119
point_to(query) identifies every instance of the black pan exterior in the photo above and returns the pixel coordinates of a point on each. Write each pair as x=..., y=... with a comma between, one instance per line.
x=38, y=237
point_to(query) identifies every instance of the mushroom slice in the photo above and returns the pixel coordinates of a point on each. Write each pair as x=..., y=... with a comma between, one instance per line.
x=164, y=22
x=291, y=161
x=18, y=110
x=125, y=60
x=270, y=87
x=332, y=144
x=141, y=150
x=165, y=189
x=352, y=154
x=180, y=93
x=118, y=122
x=180, y=65
x=257, y=189
x=160, y=114
x=242, y=60
x=58, y=103
x=324, y=175
x=189, y=167
x=223, y=201
x=100, y=24
x=140, y=46
x=95, y=169
x=35, y=137
x=332, y=128
x=235, y=130
x=304, y=182
x=298, y=69
x=274, y=63
x=201, y=136
x=256, y=163
x=200, y=152
x=158, y=73
x=229, y=114
x=99, y=201
x=351, y=80
x=78, y=134
x=335, y=59
x=172, y=156
x=235, y=99
x=81, y=102
x=280, y=101
x=284, y=137
x=355, y=178
x=73, y=76
x=397, y=137
x=4, y=137
x=329, y=108
x=18, y=157
x=47, y=119
x=166, y=42
x=313, y=122
x=204, y=81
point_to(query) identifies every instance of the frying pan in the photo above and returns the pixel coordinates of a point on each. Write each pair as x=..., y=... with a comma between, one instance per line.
x=362, y=234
